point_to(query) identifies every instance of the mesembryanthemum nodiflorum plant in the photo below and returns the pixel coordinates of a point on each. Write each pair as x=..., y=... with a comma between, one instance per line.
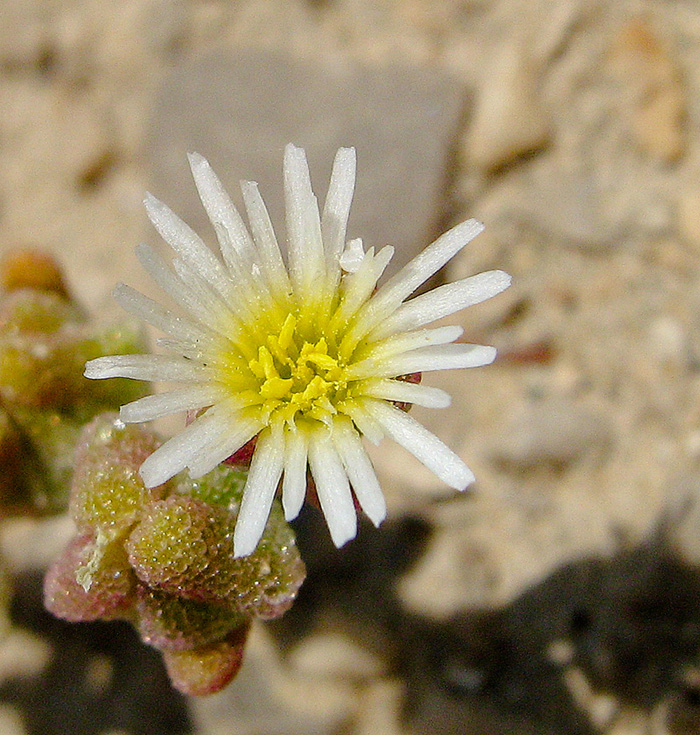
x=163, y=558
x=304, y=356
x=45, y=338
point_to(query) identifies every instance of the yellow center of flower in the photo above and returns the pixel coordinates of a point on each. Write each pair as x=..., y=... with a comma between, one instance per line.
x=296, y=377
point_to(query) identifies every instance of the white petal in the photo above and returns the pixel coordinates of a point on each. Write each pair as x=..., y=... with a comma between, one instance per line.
x=228, y=224
x=407, y=341
x=360, y=471
x=264, y=475
x=265, y=239
x=332, y=487
x=422, y=444
x=366, y=425
x=154, y=313
x=156, y=268
x=357, y=287
x=177, y=452
x=429, y=262
x=352, y=257
x=185, y=241
x=438, y=357
x=417, y=271
x=336, y=210
x=237, y=432
x=146, y=367
x=294, y=481
x=400, y=390
x=163, y=404
x=442, y=301
x=304, y=243
x=222, y=315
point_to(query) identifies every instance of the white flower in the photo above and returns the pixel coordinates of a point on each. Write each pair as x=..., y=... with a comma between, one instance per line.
x=307, y=356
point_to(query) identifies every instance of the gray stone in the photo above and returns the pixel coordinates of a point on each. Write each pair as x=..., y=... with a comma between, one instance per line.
x=553, y=432
x=567, y=203
x=240, y=111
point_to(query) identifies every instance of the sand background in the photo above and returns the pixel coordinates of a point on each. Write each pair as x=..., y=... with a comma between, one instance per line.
x=569, y=127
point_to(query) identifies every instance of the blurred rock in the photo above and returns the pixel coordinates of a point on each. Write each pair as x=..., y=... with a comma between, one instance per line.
x=682, y=522
x=689, y=215
x=23, y=653
x=31, y=268
x=11, y=722
x=379, y=714
x=266, y=699
x=334, y=656
x=668, y=341
x=240, y=111
x=22, y=35
x=553, y=432
x=680, y=715
x=79, y=145
x=509, y=120
x=652, y=88
x=27, y=544
x=566, y=202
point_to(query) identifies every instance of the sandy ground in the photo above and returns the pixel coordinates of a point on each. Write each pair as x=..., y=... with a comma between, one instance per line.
x=578, y=147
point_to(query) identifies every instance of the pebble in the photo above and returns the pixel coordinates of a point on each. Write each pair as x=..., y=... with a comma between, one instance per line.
x=22, y=34
x=28, y=544
x=11, y=721
x=668, y=341
x=266, y=698
x=689, y=216
x=67, y=152
x=601, y=708
x=682, y=523
x=239, y=111
x=553, y=432
x=652, y=90
x=333, y=656
x=566, y=202
x=22, y=654
x=509, y=119
x=381, y=709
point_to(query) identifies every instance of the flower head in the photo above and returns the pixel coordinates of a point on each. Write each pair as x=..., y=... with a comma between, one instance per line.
x=305, y=356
